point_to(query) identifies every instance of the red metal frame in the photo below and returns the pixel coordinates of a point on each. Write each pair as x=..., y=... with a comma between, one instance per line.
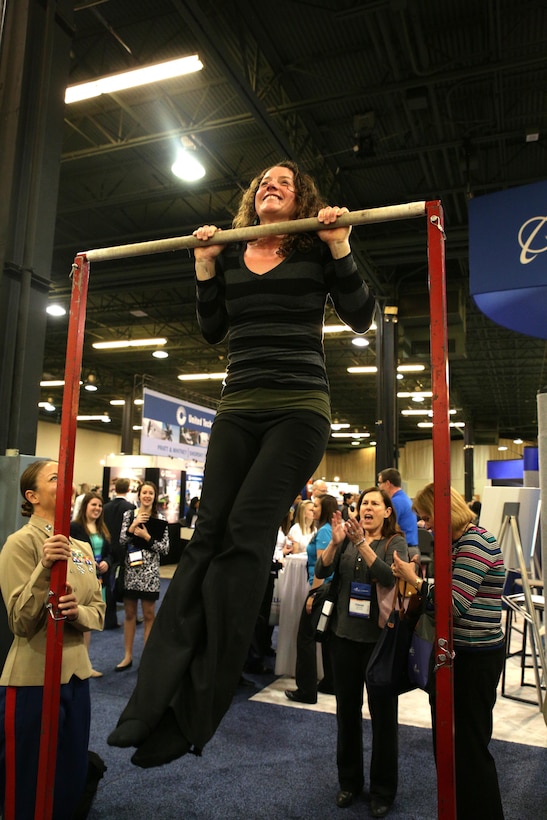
x=446, y=792
x=54, y=646
x=443, y=562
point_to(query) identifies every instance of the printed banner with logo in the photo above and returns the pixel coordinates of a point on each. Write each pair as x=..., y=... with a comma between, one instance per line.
x=171, y=427
x=508, y=257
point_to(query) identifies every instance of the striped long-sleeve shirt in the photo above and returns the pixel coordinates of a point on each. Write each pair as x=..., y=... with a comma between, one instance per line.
x=478, y=574
x=274, y=320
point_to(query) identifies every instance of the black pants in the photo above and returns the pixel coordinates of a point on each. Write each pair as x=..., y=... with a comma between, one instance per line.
x=256, y=464
x=350, y=660
x=476, y=677
x=306, y=658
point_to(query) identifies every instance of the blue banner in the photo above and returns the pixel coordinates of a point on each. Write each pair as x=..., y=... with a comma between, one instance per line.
x=508, y=257
x=176, y=428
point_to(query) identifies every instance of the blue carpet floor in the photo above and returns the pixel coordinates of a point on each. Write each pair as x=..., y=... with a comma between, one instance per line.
x=268, y=761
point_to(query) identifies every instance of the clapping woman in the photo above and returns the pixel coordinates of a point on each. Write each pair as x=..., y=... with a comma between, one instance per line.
x=362, y=550
x=142, y=567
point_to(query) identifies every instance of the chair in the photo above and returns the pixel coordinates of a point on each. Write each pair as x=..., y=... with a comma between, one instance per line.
x=425, y=545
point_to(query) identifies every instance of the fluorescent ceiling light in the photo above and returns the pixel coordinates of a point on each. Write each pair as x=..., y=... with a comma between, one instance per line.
x=133, y=79
x=360, y=341
x=117, y=402
x=338, y=425
x=187, y=166
x=53, y=383
x=350, y=435
x=137, y=427
x=518, y=441
x=410, y=368
x=502, y=447
x=106, y=419
x=47, y=405
x=160, y=354
x=427, y=394
x=198, y=377
x=369, y=369
x=138, y=401
x=423, y=411
x=343, y=328
x=430, y=424
x=55, y=310
x=123, y=344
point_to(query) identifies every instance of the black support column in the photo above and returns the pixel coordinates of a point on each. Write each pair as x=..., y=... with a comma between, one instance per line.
x=387, y=450
x=468, y=464
x=34, y=53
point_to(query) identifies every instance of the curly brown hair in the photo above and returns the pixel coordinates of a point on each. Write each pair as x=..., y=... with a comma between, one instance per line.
x=308, y=202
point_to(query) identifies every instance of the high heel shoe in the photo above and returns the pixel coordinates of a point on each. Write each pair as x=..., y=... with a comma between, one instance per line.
x=123, y=666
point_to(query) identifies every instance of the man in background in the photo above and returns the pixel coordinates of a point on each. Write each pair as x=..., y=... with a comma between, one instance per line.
x=113, y=514
x=390, y=480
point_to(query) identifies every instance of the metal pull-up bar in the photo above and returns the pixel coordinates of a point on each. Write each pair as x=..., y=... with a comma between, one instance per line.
x=390, y=213
x=441, y=466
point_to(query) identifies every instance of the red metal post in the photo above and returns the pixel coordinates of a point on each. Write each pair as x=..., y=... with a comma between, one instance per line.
x=54, y=646
x=446, y=794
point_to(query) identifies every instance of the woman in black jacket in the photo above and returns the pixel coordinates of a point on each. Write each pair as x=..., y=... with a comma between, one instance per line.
x=362, y=550
x=90, y=526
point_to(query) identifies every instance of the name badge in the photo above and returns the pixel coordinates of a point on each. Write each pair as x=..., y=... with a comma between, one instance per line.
x=135, y=558
x=359, y=600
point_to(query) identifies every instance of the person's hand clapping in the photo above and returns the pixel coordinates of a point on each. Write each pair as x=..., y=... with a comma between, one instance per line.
x=338, y=528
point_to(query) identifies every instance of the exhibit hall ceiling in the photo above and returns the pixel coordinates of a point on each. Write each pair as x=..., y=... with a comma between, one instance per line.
x=383, y=102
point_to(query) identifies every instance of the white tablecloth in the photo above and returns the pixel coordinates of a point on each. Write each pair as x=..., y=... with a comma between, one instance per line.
x=293, y=589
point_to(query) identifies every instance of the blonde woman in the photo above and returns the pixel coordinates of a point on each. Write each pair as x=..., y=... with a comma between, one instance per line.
x=303, y=529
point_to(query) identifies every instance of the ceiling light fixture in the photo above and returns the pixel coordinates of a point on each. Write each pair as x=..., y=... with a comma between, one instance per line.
x=198, y=377
x=90, y=384
x=55, y=310
x=410, y=368
x=360, y=341
x=350, y=435
x=160, y=354
x=104, y=418
x=123, y=344
x=117, y=402
x=368, y=369
x=187, y=166
x=427, y=394
x=338, y=425
x=53, y=383
x=47, y=405
x=133, y=79
x=344, y=328
x=518, y=441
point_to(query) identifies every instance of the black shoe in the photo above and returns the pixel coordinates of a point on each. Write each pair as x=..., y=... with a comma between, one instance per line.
x=379, y=808
x=123, y=667
x=325, y=688
x=297, y=697
x=344, y=799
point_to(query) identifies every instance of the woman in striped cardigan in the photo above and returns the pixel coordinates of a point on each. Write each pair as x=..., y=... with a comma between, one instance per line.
x=478, y=574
